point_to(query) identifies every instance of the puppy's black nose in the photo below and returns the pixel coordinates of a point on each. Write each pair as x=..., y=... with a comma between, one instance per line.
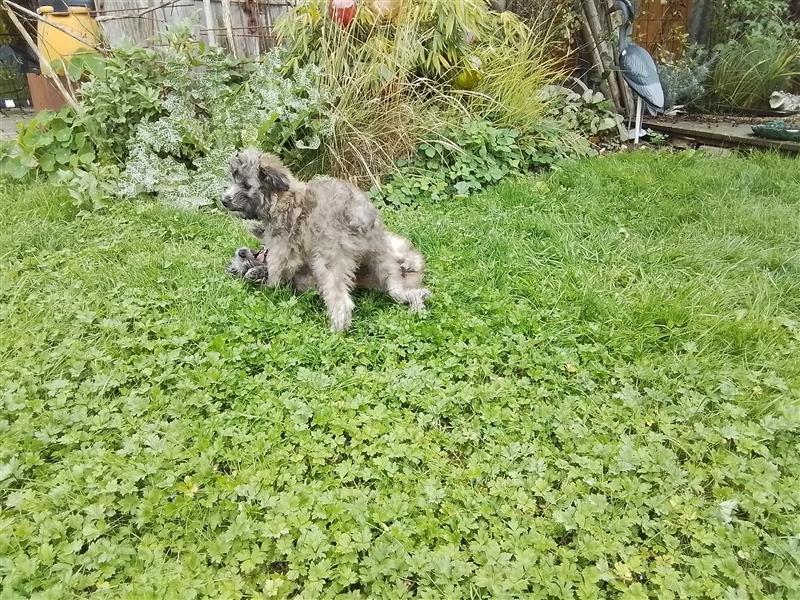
x=226, y=201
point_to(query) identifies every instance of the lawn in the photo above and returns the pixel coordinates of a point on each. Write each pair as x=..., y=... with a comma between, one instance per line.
x=601, y=402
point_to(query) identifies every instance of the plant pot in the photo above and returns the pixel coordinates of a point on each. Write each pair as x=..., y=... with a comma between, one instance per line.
x=470, y=76
x=63, y=6
x=342, y=12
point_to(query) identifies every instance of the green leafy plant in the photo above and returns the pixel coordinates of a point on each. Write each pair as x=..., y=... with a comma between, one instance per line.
x=750, y=69
x=685, y=79
x=397, y=82
x=379, y=110
x=431, y=38
x=590, y=113
x=166, y=120
x=770, y=19
x=463, y=161
x=48, y=142
x=163, y=121
x=183, y=155
x=137, y=86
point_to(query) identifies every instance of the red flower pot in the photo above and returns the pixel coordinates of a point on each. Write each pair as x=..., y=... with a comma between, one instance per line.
x=342, y=11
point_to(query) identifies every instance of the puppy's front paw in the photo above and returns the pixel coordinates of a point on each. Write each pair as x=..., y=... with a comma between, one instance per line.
x=341, y=317
x=340, y=322
x=416, y=299
x=257, y=274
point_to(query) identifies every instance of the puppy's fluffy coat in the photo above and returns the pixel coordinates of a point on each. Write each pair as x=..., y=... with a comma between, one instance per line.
x=324, y=233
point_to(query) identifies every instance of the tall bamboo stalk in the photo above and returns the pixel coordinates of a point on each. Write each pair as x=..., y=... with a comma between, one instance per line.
x=597, y=60
x=627, y=96
x=600, y=35
x=602, y=64
x=227, y=22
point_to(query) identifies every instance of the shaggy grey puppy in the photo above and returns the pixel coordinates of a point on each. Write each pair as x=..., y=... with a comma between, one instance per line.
x=325, y=230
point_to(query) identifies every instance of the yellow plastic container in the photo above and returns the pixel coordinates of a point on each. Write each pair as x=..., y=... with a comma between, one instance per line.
x=57, y=46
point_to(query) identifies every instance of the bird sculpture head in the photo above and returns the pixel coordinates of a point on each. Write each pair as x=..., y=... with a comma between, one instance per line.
x=626, y=8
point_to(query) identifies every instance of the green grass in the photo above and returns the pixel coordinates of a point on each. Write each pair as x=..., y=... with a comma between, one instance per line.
x=602, y=401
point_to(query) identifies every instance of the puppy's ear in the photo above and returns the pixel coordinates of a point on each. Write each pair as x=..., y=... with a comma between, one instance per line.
x=273, y=178
x=234, y=165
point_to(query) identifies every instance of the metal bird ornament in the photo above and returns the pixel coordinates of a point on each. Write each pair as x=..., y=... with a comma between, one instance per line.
x=638, y=68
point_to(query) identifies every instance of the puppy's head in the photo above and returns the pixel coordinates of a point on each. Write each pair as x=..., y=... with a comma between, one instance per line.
x=255, y=178
x=245, y=259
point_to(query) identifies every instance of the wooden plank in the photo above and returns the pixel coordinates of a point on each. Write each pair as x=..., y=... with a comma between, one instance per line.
x=44, y=95
x=211, y=24
x=728, y=135
x=227, y=21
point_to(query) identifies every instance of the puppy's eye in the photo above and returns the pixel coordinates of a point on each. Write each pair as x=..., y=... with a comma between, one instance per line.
x=245, y=186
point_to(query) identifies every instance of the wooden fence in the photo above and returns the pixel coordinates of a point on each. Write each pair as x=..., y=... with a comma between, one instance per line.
x=661, y=26
x=248, y=32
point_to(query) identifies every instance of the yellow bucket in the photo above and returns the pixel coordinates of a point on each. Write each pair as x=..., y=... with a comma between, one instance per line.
x=57, y=46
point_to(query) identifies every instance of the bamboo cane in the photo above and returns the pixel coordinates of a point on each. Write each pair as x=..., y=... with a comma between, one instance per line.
x=227, y=22
x=627, y=96
x=600, y=34
x=596, y=58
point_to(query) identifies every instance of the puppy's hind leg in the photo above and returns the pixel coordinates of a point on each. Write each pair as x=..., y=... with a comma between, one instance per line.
x=334, y=279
